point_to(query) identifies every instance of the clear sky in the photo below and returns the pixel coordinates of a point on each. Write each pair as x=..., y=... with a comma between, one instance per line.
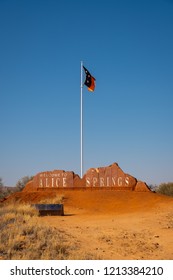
x=127, y=45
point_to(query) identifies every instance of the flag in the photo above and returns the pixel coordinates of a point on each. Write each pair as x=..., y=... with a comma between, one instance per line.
x=89, y=80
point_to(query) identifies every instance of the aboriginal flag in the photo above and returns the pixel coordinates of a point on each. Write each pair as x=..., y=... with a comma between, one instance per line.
x=89, y=80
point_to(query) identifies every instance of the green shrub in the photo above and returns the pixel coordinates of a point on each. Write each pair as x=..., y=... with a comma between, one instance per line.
x=165, y=188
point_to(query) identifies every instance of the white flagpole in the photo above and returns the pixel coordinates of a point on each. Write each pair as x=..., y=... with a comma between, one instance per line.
x=81, y=119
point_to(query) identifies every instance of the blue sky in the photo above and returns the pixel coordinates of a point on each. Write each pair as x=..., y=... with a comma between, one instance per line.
x=127, y=46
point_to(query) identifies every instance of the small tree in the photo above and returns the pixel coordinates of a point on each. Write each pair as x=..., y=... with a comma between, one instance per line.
x=3, y=191
x=1, y=182
x=165, y=188
x=22, y=182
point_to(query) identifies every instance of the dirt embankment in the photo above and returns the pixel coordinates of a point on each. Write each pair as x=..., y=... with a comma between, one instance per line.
x=97, y=201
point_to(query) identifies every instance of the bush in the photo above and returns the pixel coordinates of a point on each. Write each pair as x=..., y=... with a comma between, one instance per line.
x=165, y=188
x=4, y=192
x=22, y=182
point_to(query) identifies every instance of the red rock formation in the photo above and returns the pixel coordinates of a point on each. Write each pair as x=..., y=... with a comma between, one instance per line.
x=141, y=187
x=109, y=177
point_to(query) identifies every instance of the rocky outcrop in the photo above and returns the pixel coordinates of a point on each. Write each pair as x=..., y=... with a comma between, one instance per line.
x=141, y=187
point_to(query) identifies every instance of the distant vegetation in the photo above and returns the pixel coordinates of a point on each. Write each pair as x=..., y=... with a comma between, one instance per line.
x=152, y=187
x=6, y=191
x=165, y=188
x=22, y=182
x=1, y=182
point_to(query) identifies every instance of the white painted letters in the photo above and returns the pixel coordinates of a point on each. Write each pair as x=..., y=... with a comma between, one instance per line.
x=127, y=181
x=102, y=182
x=88, y=184
x=94, y=181
x=113, y=181
x=57, y=182
x=64, y=182
x=65, y=179
x=41, y=183
x=120, y=182
x=47, y=183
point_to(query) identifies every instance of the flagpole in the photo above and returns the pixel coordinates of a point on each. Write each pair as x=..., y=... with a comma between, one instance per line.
x=81, y=120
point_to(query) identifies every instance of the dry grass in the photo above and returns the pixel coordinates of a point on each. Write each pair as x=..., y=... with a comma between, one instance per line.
x=24, y=237
x=58, y=199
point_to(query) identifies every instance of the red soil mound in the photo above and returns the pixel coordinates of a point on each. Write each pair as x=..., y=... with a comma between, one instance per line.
x=97, y=201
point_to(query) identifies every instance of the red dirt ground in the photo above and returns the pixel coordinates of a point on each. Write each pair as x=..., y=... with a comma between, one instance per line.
x=112, y=224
